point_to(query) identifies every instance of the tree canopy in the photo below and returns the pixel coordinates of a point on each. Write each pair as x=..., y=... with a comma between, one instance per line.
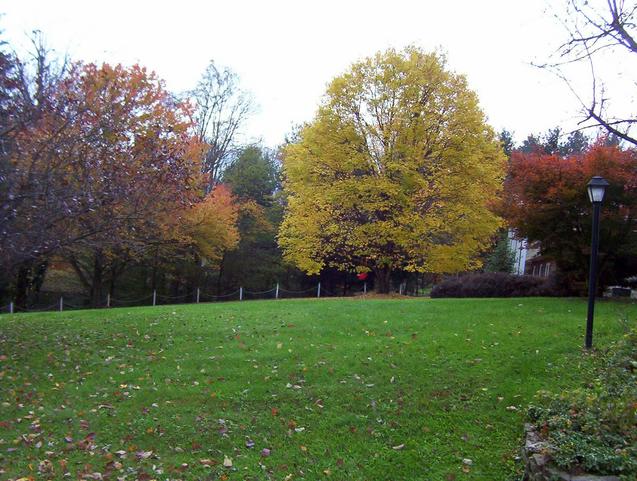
x=396, y=171
x=545, y=200
x=253, y=175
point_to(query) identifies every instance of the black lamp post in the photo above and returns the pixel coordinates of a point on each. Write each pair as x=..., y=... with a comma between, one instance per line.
x=596, y=189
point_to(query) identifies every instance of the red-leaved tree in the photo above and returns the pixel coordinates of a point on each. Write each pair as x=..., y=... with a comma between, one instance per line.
x=99, y=175
x=137, y=168
x=546, y=200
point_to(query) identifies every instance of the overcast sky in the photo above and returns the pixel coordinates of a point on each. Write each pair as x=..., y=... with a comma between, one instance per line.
x=286, y=52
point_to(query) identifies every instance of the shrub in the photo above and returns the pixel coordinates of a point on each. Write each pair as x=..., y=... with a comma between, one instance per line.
x=594, y=428
x=494, y=284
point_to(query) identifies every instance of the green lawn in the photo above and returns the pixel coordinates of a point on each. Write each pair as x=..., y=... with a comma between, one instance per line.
x=334, y=389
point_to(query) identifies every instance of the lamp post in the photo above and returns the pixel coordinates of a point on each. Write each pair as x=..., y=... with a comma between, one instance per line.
x=596, y=189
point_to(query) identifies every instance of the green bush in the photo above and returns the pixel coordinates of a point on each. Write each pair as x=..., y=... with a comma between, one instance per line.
x=594, y=428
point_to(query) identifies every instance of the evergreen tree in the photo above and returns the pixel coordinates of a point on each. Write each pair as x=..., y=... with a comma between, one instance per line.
x=506, y=139
x=502, y=258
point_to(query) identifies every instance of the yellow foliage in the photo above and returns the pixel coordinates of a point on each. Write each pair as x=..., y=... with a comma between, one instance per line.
x=395, y=172
x=211, y=225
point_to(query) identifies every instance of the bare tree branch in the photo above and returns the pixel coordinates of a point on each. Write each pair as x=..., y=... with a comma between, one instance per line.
x=221, y=109
x=593, y=28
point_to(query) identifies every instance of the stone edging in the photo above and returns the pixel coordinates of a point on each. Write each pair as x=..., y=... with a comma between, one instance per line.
x=537, y=462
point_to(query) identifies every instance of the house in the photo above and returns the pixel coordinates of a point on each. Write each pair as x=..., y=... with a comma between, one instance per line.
x=528, y=258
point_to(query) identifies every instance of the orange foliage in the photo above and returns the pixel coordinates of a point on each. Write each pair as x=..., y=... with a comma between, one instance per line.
x=546, y=200
x=107, y=157
x=211, y=225
x=540, y=186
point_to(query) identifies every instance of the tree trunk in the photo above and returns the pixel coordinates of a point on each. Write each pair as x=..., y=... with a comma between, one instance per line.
x=382, y=280
x=116, y=270
x=29, y=280
x=97, y=278
x=153, y=279
x=223, y=258
x=345, y=286
x=197, y=280
x=38, y=275
x=22, y=285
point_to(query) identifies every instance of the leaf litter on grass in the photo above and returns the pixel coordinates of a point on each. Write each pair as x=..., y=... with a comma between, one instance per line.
x=139, y=393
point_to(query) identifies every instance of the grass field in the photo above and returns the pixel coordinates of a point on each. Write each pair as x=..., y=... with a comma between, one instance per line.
x=285, y=390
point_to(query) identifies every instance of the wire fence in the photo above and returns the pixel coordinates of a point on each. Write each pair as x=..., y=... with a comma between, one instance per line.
x=199, y=296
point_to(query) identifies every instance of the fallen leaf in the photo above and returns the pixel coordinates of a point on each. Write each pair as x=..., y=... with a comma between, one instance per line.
x=45, y=467
x=143, y=454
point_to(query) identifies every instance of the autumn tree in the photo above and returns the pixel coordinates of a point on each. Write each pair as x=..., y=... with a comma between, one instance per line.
x=395, y=172
x=221, y=109
x=134, y=167
x=27, y=95
x=545, y=200
x=34, y=200
x=9, y=83
x=191, y=251
x=211, y=225
x=99, y=165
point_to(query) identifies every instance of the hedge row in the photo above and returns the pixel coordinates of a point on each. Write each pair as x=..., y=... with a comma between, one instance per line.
x=494, y=284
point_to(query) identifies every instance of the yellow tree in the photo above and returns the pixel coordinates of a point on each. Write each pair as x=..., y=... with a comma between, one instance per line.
x=210, y=226
x=396, y=171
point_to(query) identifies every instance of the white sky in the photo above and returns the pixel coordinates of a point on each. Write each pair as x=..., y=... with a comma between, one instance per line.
x=287, y=51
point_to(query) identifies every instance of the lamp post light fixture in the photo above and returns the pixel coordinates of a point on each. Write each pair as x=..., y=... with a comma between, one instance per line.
x=596, y=189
